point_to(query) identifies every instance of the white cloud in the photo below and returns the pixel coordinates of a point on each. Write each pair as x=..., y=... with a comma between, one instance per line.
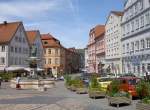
x=29, y=8
x=46, y=16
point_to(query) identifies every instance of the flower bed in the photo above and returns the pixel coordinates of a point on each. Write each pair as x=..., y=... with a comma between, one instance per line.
x=117, y=97
x=143, y=89
x=95, y=89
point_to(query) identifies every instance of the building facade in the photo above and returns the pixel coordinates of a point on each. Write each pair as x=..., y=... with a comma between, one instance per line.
x=100, y=51
x=113, y=42
x=73, y=60
x=54, y=55
x=14, y=45
x=136, y=37
x=86, y=65
x=35, y=42
x=94, y=32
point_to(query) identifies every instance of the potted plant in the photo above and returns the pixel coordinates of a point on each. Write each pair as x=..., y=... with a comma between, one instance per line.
x=68, y=81
x=117, y=96
x=95, y=89
x=80, y=87
x=143, y=90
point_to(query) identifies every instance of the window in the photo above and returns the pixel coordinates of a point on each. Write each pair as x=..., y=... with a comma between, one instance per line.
x=141, y=4
x=23, y=39
x=56, y=61
x=148, y=67
x=49, y=51
x=45, y=42
x=142, y=44
x=132, y=26
x=2, y=60
x=12, y=49
x=124, y=31
x=16, y=38
x=147, y=17
x=137, y=23
x=136, y=8
x=148, y=43
x=127, y=47
x=49, y=61
x=20, y=50
x=128, y=28
x=132, y=46
x=123, y=49
x=16, y=50
x=56, y=51
x=3, y=48
x=137, y=45
x=20, y=39
x=142, y=21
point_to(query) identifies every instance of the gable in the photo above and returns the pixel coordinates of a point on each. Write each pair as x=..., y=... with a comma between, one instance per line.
x=20, y=38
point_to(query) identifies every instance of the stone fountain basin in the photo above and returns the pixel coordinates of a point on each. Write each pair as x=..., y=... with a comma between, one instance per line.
x=33, y=83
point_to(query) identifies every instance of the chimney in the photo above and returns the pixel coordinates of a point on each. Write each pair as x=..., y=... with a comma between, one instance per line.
x=5, y=22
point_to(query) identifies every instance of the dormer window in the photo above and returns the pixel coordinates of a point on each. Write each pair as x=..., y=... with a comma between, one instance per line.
x=45, y=42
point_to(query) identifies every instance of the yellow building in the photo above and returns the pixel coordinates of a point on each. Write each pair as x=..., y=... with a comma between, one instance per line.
x=54, y=55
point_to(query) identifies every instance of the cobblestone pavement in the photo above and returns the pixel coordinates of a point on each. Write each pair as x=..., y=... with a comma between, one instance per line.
x=58, y=98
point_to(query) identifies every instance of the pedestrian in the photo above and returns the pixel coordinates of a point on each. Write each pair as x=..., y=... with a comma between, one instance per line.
x=17, y=82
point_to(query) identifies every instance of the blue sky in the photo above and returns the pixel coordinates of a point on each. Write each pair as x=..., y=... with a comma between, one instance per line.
x=67, y=20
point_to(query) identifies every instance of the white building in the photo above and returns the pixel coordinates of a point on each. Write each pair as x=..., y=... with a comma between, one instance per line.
x=14, y=46
x=113, y=41
x=34, y=38
x=136, y=37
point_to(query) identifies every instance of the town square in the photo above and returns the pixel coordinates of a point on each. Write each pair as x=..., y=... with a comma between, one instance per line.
x=74, y=54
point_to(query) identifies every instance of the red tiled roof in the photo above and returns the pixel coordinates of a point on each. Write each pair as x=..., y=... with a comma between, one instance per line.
x=51, y=41
x=118, y=13
x=99, y=30
x=31, y=36
x=7, y=31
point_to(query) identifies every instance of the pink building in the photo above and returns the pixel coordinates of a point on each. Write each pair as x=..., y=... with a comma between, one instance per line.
x=100, y=50
x=94, y=33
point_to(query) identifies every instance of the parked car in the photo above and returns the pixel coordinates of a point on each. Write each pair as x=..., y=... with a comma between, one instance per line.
x=128, y=84
x=104, y=82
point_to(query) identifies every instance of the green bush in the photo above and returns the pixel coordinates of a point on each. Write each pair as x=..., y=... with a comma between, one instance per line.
x=113, y=88
x=143, y=89
x=94, y=85
x=68, y=80
x=121, y=94
x=7, y=76
x=146, y=100
x=77, y=82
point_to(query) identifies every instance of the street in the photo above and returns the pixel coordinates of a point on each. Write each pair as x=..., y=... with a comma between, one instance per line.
x=57, y=98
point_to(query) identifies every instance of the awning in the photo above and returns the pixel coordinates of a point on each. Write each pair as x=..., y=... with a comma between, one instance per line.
x=29, y=69
x=14, y=68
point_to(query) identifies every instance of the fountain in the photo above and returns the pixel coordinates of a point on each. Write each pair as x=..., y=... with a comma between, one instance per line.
x=33, y=81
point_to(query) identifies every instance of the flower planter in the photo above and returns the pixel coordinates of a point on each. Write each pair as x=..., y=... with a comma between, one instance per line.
x=95, y=94
x=73, y=88
x=142, y=106
x=81, y=90
x=119, y=100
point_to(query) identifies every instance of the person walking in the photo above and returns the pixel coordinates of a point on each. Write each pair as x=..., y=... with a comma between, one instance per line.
x=17, y=82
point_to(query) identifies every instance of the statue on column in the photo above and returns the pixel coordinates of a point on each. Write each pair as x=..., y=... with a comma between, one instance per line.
x=33, y=51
